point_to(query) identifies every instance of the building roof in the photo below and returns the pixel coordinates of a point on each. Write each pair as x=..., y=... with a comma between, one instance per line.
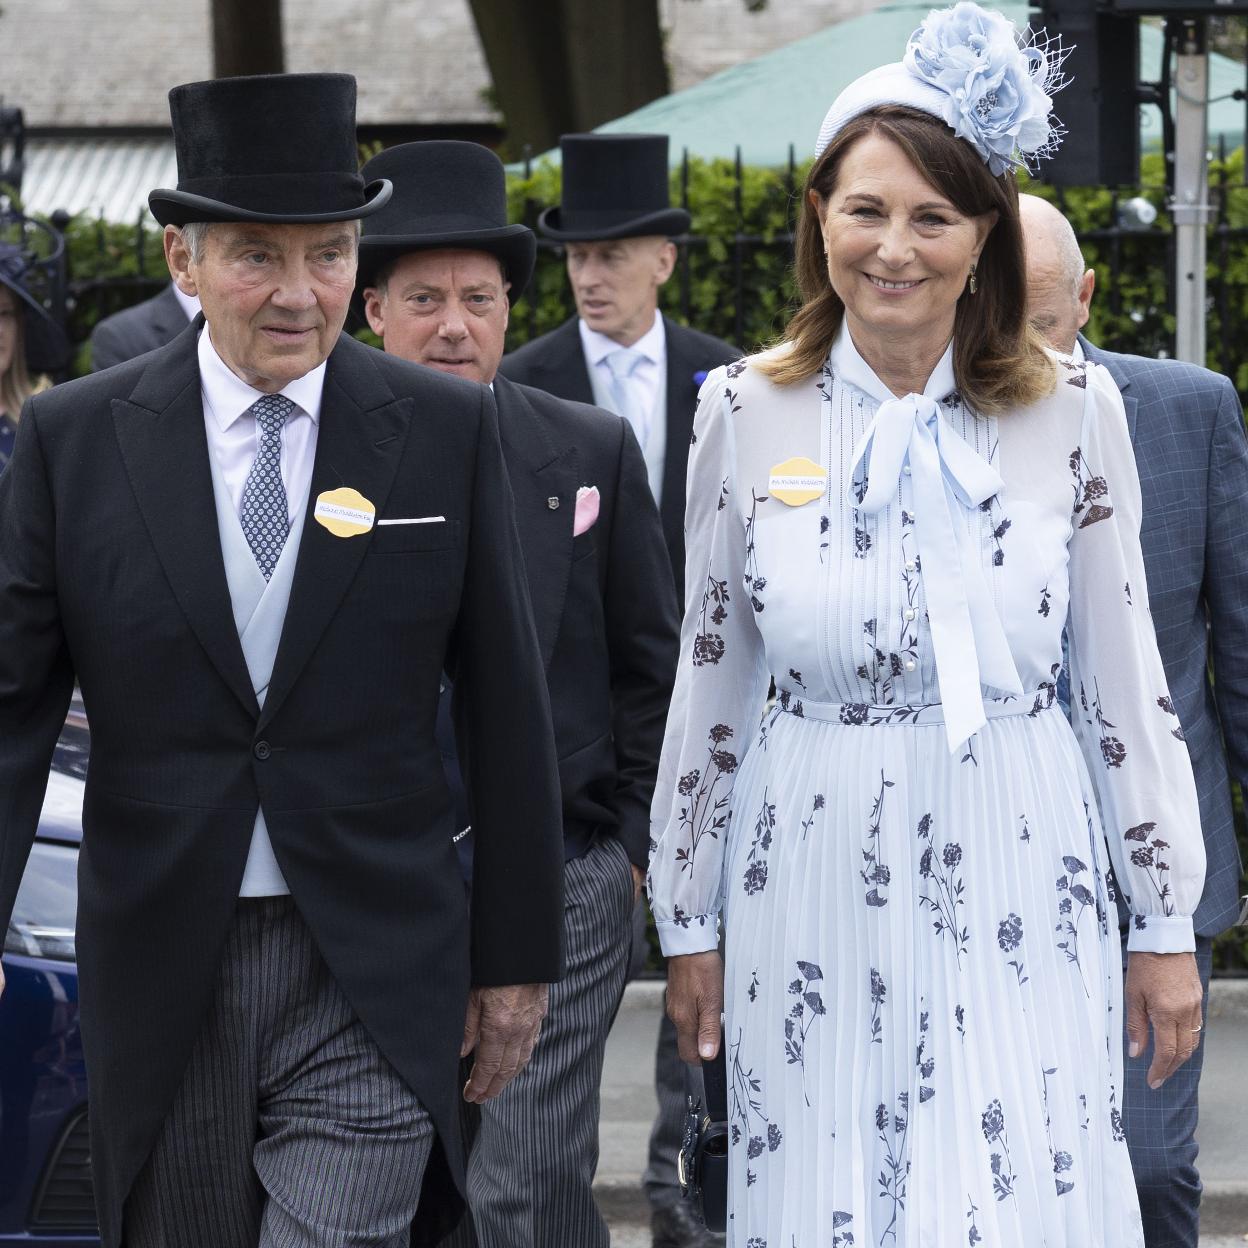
x=85, y=63
x=107, y=178
x=763, y=105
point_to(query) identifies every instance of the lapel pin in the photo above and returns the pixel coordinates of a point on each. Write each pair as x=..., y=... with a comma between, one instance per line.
x=344, y=512
x=553, y=503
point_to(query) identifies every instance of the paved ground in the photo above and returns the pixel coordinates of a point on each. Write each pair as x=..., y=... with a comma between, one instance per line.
x=628, y=1108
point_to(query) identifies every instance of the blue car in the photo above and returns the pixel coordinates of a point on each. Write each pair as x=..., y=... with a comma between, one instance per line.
x=45, y=1161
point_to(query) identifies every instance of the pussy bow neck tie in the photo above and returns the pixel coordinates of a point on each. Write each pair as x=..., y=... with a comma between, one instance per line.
x=947, y=479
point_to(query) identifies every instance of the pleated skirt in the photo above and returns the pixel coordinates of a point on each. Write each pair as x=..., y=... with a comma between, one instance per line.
x=923, y=992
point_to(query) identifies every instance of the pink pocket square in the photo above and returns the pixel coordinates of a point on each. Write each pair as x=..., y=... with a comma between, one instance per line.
x=586, y=509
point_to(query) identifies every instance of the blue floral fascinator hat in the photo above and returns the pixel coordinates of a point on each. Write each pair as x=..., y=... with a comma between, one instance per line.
x=974, y=70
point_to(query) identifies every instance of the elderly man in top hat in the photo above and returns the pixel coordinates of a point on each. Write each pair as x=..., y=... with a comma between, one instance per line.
x=439, y=266
x=1187, y=428
x=616, y=223
x=257, y=549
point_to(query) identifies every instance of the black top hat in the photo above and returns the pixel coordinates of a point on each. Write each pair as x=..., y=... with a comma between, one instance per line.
x=276, y=148
x=47, y=347
x=614, y=186
x=446, y=194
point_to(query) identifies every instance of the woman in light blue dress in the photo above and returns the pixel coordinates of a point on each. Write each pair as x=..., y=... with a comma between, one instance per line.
x=895, y=514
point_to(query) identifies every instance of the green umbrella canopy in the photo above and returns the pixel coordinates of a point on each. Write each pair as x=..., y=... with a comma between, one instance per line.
x=766, y=104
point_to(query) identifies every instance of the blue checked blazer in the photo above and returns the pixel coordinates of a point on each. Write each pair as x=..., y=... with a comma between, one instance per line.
x=1190, y=446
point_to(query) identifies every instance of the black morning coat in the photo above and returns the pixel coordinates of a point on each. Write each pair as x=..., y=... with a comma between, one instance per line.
x=555, y=362
x=137, y=330
x=111, y=573
x=606, y=615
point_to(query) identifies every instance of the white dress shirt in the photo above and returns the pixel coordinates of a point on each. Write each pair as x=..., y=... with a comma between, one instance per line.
x=648, y=381
x=233, y=442
x=232, y=432
x=188, y=303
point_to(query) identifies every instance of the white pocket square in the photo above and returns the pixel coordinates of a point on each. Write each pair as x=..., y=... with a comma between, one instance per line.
x=415, y=520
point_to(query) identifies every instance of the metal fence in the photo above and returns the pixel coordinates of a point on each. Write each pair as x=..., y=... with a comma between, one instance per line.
x=1134, y=306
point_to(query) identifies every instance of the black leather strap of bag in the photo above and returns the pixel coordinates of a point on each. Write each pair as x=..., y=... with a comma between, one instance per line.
x=715, y=1085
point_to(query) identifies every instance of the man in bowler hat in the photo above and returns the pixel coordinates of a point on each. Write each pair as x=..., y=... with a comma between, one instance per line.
x=439, y=266
x=256, y=550
x=616, y=223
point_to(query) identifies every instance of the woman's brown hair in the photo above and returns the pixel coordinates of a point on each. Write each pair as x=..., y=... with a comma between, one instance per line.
x=999, y=361
x=16, y=385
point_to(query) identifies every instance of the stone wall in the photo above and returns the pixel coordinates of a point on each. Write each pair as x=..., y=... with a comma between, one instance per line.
x=85, y=63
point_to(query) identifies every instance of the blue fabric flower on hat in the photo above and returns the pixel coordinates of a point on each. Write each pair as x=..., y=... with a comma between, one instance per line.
x=998, y=93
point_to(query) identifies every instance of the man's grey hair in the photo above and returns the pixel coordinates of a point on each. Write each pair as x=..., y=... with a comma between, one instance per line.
x=195, y=236
x=1062, y=237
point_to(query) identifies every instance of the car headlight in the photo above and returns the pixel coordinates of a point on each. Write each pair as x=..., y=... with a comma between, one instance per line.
x=43, y=919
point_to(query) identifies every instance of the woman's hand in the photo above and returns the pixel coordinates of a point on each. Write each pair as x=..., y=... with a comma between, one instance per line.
x=695, y=1000
x=1163, y=989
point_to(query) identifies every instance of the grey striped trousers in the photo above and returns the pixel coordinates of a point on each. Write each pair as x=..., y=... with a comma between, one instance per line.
x=290, y=1129
x=531, y=1169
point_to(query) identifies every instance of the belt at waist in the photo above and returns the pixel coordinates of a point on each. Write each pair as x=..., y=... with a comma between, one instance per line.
x=862, y=714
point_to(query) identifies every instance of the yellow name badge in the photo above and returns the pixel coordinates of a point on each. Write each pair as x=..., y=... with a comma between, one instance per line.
x=796, y=481
x=344, y=512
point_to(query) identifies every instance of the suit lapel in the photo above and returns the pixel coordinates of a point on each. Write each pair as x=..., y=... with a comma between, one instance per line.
x=169, y=316
x=160, y=430
x=363, y=430
x=682, y=395
x=1121, y=378
x=563, y=367
x=539, y=471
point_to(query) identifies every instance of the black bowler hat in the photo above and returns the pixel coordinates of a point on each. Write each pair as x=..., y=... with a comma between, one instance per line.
x=47, y=347
x=614, y=186
x=446, y=194
x=275, y=148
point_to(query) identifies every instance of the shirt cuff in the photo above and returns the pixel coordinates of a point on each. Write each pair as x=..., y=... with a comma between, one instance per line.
x=696, y=933
x=1161, y=933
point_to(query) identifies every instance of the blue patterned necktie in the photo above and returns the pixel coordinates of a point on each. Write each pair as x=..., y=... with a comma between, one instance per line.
x=622, y=364
x=265, y=517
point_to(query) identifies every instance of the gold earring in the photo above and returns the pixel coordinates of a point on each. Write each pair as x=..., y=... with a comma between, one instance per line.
x=973, y=284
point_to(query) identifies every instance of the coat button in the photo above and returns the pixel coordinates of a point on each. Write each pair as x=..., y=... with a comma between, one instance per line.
x=553, y=503
x=262, y=750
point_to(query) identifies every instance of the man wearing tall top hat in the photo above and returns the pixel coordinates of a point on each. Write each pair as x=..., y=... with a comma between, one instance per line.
x=439, y=266
x=257, y=549
x=616, y=223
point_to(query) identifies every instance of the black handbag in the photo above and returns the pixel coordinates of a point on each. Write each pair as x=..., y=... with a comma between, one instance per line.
x=702, y=1164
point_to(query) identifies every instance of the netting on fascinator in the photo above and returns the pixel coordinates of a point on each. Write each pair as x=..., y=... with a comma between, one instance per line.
x=992, y=84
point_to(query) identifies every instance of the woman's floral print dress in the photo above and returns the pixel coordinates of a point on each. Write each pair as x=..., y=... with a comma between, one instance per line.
x=923, y=972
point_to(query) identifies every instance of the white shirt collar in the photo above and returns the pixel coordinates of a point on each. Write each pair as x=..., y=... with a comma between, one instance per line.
x=229, y=397
x=188, y=303
x=652, y=344
x=1077, y=353
x=848, y=364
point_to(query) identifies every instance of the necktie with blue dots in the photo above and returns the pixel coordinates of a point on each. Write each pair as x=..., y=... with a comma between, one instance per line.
x=265, y=517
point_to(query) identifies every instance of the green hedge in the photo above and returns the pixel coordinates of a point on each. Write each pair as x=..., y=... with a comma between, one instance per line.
x=113, y=265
